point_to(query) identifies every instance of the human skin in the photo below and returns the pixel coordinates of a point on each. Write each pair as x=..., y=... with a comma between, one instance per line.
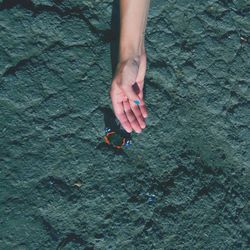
x=128, y=81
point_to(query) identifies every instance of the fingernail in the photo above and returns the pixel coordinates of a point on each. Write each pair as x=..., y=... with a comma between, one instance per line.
x=137, y=102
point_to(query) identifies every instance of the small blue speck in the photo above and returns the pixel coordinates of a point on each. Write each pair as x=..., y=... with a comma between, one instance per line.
x=137, y=102
x=151, y=198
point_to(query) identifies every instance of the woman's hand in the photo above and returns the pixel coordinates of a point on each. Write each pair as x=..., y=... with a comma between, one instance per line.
x=126, y=90
x=127, y=86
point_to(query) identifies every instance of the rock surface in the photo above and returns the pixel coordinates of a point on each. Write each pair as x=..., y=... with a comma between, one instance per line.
x=185, y=182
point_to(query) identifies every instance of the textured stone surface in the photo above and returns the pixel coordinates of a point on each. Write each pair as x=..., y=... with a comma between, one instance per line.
x=184, y=184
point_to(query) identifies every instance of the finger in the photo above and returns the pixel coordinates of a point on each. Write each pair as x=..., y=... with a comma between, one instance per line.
x=142, y=68
x=137, y=112
x=131, y=117
x=142, y=105
x=140, y=85
x=143, y=109
x=121, y=116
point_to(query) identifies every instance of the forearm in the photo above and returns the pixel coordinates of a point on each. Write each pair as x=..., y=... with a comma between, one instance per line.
x=133, y=20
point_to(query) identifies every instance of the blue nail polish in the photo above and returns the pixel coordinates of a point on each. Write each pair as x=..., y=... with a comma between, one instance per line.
x=137, y=102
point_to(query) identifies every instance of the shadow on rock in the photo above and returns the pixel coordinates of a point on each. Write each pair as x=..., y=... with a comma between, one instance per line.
x=113, y=125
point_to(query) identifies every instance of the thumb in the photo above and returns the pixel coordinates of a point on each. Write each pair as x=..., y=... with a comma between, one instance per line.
x=140, y=87
x=130, y=93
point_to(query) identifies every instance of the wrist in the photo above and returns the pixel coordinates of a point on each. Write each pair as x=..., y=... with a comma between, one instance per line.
x=128, y=63
x=130, y=50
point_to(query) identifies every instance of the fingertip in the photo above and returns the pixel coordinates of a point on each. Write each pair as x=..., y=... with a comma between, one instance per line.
x=129, y=131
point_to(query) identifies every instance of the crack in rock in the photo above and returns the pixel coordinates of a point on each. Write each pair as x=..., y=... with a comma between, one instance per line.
x=104, y=35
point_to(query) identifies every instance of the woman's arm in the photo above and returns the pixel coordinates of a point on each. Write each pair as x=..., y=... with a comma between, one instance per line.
x=127, y=85
x=133, y=20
